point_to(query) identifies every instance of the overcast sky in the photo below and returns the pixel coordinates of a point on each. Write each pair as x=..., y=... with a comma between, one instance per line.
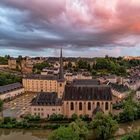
x=86, y=28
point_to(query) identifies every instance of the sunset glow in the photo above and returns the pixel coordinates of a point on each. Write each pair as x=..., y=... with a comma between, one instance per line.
x=110, y=26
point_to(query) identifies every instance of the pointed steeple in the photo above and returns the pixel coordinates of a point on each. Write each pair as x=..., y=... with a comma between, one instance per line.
x=61, y=74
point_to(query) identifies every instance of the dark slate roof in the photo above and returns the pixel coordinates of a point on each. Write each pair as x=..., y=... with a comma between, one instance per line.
x=10, y=87
x=119, y=87
x=110, y=77
x=46, y=99
x=96, y=92
x=85, y=82
x=41, y=77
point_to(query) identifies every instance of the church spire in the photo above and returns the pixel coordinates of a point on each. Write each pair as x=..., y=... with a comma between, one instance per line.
x=61, y=74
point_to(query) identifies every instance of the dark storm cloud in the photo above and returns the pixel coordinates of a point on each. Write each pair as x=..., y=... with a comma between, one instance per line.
x=74, y=24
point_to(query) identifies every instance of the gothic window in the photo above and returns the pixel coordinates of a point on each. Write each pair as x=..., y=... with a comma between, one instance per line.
x=98, y=104
x=106, y=106
x=72, y=106
x=89, y=105
x=80, y=106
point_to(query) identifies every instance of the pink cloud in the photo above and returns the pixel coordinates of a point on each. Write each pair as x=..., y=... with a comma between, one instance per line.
x=83, y=22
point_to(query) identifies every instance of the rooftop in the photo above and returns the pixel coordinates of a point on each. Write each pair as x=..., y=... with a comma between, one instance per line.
x=10, y=87
x=96, y=92
x=47, y=99
x=85, y=82
x=119, y=87
x=41, y=77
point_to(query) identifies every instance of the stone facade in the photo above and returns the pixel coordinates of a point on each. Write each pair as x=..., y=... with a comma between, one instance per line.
x=46, y=104
x=38, y=83
x=12, y=64
x=11, y=91
x=45, y=111
x=87, y=107
x=81, y=97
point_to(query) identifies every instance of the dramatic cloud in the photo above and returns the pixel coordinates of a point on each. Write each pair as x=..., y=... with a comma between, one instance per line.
x=73, y=24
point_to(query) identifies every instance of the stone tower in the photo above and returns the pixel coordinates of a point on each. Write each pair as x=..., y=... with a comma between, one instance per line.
x=61, y=73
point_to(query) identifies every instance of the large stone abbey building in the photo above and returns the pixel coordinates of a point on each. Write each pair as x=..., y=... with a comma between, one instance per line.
x=81, y=97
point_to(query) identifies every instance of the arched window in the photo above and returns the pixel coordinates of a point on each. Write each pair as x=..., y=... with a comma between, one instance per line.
x=80, y=106
x=72, y=106
x=106, y=106
x=89, y=105
x=98, y=104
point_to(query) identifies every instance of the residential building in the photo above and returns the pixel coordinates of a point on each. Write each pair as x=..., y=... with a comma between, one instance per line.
x=131, y=58
x=51, y=70
x=46, y=83
x=27, y=64
x=71, y=76
x=133, y=82
x=10, y=91
x=119, y=90
x=46, y=104
x=12, y=64
x=4, y=66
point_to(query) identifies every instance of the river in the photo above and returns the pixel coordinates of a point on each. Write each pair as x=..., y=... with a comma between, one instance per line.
x=20, y=134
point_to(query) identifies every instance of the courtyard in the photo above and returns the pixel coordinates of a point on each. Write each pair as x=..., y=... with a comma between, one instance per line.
x=19, y=106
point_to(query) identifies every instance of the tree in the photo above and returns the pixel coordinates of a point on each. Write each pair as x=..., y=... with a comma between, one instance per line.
x=102, y=63
x=19, y=59
x=81, y=128
x=3, y=60
x=104, y=125
x=69, y=64
x=88, y=67
x=7, y=78
x=41, y=66
x=63, y=133
x=131, y=111
x=7, y=56
x=1, y=105
x=94, y=72
x=74, y=117
x=81, y=64
x=132, y=136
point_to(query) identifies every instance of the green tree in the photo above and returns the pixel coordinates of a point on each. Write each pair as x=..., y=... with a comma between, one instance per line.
x=88, y=67
x=64, y=133
x=130, y=112
x=1, y=105
x=81, y=128
x=102, y=63
x=69, y=64
x=74, y=117
x=94, y=72
x=19, y=59
x=41, y=66
x=132, y=136
x=81, y=64
x=104, y=125
x=3, y=60
x=7, y=78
